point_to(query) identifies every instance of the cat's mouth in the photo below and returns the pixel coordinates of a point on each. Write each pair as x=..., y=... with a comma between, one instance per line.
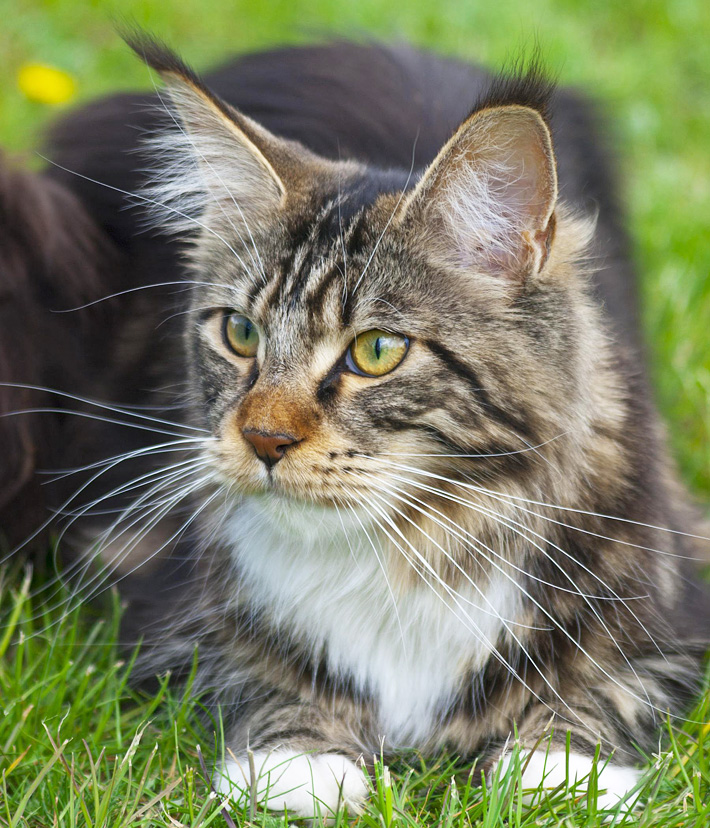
x=325, y=473
x=303, y=487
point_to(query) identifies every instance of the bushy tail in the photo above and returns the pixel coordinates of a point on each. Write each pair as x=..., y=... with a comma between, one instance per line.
x=52, y=257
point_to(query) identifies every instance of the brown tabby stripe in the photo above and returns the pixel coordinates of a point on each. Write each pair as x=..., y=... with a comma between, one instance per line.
x=454, y=364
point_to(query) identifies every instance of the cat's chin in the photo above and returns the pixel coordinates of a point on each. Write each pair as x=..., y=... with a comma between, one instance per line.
x=302, y=518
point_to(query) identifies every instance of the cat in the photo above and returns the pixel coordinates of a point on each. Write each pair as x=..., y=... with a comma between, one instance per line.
x=391, y=320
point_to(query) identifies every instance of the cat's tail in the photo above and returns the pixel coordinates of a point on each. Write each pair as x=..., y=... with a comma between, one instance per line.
x=53, y=257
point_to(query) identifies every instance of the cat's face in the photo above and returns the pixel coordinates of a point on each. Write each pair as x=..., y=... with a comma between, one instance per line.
x=282, y=353
x=353, y=338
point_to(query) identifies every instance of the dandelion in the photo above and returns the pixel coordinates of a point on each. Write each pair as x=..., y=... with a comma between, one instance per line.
x=45, y=84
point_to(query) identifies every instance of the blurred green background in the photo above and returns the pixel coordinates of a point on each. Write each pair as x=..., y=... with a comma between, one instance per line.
x=646, y=61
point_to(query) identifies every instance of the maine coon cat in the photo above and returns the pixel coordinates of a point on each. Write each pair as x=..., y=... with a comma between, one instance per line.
x=410, y=490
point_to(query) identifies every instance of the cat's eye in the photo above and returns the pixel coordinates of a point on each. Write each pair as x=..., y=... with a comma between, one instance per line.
x=375, y=353
x=241, y=334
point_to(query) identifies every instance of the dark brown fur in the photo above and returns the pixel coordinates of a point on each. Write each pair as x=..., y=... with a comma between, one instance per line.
x=53, y=257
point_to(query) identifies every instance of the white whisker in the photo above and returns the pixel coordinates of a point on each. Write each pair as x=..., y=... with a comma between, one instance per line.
x=98, y=404
x=104, y=576
x=85, y=415
x=512, y=524
x=163, y=475
x=586, y=598
x=546, y=505
x=157, y=510
x=548, y=615
x=384, y=573
x=185, y=284
x=76, y=564
x=344, y=273
x=139, y=536
x=474, y=629
x=464, y=456
x=147, y=200
x=186, y=444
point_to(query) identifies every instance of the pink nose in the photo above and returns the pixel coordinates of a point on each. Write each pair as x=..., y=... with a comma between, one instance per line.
x=269, y=447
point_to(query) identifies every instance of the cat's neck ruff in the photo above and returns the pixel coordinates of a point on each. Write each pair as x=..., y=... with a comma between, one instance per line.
x=320, y=577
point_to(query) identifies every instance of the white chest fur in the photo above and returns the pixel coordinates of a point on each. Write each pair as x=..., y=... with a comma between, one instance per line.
x=320, y=579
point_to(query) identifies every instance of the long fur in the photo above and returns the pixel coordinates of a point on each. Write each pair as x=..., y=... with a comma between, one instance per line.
x=53, y=257
x=508, y=478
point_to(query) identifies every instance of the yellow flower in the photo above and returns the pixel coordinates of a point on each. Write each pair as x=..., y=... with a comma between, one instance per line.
x=45, y=84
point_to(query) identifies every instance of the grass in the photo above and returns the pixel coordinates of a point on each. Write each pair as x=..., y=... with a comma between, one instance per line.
x=78, y=746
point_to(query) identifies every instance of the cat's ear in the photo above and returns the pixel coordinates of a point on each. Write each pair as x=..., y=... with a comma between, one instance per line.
x=487, y=201
x=211, y=157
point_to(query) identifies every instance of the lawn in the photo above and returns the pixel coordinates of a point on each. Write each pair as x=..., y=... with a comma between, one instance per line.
x=77, y=745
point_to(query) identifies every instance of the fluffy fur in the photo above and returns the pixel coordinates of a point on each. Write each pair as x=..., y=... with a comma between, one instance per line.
x=53, y=257
x=487, y=538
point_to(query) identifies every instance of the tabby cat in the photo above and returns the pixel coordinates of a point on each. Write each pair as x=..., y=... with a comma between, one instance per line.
x=409, y=491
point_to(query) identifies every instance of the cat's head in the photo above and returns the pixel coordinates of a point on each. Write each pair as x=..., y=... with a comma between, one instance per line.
x=358, y=334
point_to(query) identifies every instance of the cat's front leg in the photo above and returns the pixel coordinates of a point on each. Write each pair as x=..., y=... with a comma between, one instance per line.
x=547, y=762
x=304, y=783
x=291, y=757
x=552, y=766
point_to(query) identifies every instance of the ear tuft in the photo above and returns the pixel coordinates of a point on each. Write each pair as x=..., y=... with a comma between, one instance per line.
x=526, y=83
x=172, y=68
x=158, y=55
x=210, y=162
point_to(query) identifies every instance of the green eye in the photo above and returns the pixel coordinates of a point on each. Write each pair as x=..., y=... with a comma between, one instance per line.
x=376, y=352
x=241, y=334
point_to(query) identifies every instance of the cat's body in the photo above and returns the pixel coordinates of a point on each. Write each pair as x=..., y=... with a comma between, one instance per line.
x=434, y=556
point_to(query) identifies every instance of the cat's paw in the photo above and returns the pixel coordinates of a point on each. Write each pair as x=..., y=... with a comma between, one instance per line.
x=304, y=784
x=615, y=781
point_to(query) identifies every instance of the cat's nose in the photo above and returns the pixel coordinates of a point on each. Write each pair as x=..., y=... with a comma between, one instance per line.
x=269, y=447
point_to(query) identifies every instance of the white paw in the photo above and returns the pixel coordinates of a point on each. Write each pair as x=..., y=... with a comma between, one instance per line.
x=615, y=781
x=304, y=784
